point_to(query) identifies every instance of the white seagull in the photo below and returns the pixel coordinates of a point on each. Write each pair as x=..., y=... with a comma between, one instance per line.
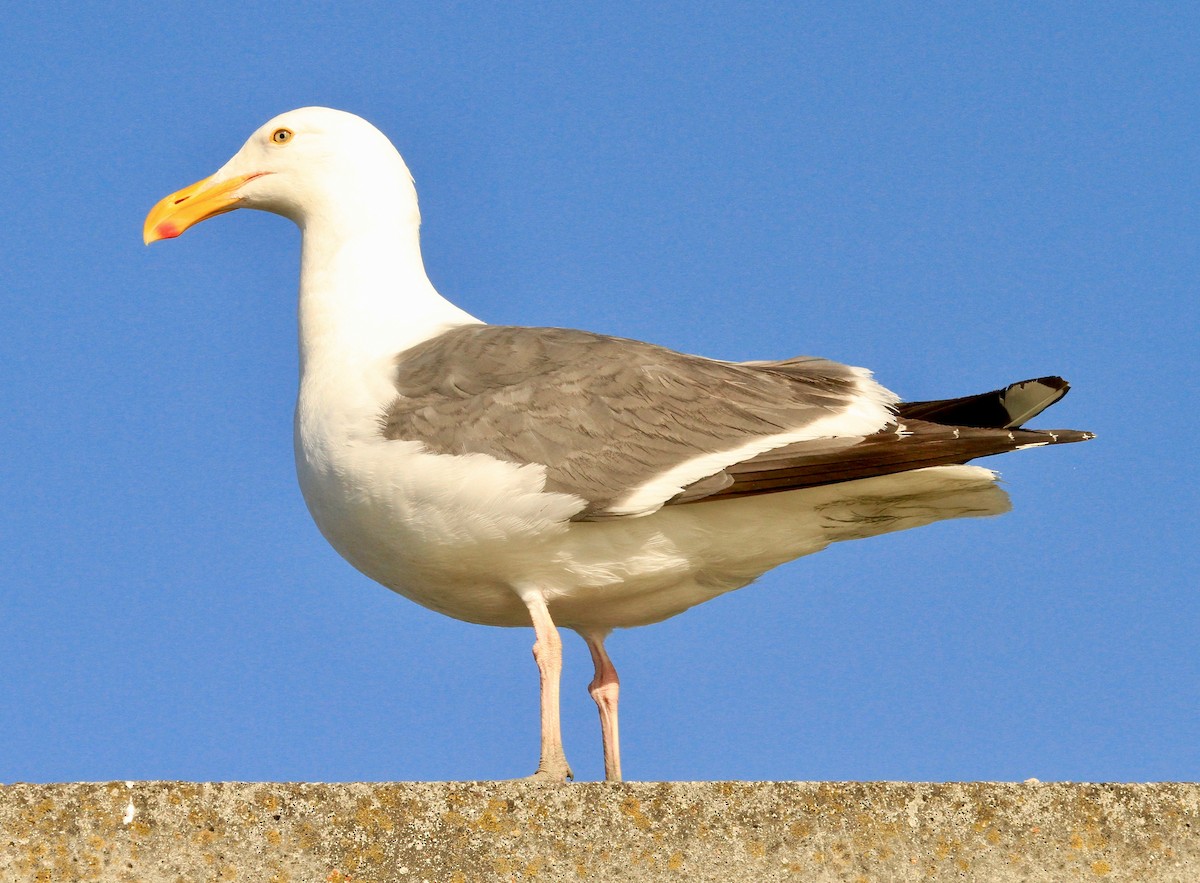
x=538, y=476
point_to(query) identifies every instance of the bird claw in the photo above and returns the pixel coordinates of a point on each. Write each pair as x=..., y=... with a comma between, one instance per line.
x=555, y=772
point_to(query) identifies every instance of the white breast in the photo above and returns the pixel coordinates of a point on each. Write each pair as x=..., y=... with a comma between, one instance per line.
x=453, y=533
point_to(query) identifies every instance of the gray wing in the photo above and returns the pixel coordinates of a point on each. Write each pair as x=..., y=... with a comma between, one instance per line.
x=608, y=416
x=605, y=415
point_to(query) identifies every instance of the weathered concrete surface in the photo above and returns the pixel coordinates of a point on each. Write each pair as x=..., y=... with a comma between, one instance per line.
x=147, y=832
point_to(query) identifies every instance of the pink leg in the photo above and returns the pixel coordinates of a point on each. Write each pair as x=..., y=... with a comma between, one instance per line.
x=547, y=652
x=605, y=687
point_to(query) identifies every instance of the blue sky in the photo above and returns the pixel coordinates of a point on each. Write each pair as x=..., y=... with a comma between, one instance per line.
x=955, y=195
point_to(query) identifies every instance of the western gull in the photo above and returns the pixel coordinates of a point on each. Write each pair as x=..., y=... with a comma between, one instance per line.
x=518, y=476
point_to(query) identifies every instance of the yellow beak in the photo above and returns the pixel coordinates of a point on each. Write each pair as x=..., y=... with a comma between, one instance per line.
x=191, y=205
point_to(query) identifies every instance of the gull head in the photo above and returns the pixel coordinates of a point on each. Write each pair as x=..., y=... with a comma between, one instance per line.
x=310, y=164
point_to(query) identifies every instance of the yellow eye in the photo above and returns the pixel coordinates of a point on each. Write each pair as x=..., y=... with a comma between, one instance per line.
x=281, y=136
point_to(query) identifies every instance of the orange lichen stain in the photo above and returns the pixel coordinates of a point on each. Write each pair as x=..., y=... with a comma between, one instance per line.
x=95, y=866
x=962, y=864
x=885, y=829
x=1036, y=829
x=581, y=870
x=756, y=848
x=306, y=833
x=140, y=829
x=458, y=877
x=454, y=818
x=279, y=877
x=1076, y=841
x=336, y=876
x=368, y=816
x=187, y=791
x=992, y=836
x=1092, y=838
x=503, y=867
x=533, y=868
x=274, y=837
x=1101, y=868
x=490, y=820
x=675, y=862
x=644, y=857
x=204, y=837
x=800, y=830
x=632, y=807
x=96, y=842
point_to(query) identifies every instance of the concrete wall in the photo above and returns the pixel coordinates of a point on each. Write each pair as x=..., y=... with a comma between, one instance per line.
x=146, y=832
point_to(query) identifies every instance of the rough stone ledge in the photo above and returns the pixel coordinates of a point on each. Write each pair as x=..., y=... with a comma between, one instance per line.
x=461, y=832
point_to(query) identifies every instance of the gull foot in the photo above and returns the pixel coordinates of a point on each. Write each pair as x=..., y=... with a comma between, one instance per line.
x=552, y=772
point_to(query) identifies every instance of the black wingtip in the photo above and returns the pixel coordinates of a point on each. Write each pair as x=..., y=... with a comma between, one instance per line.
x=1006, y=408
x=1025, y=400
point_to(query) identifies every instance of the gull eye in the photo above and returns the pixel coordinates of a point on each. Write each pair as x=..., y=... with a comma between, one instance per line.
x=281, y=136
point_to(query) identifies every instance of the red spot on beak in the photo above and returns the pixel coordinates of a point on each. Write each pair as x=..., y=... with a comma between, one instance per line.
x=167, y=230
